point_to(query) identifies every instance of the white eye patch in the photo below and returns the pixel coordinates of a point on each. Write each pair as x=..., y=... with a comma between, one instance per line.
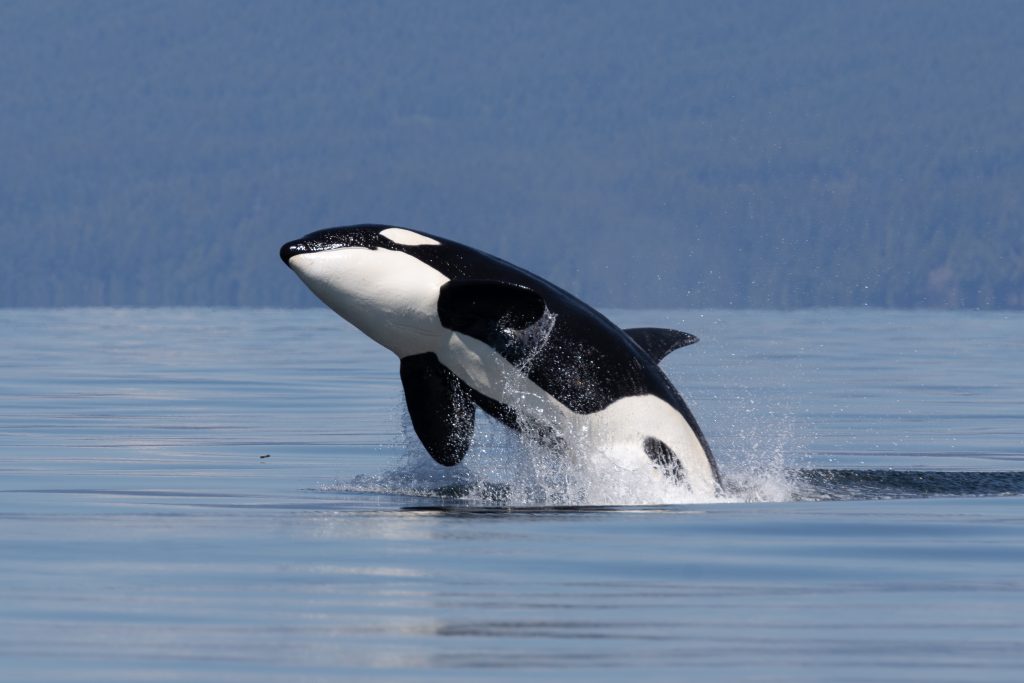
x=407, y=237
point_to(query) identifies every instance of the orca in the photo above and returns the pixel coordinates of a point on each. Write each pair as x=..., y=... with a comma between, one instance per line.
x=472, y=330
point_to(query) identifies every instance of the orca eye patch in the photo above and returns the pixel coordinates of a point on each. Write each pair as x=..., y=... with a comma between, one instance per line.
x=665, y=459
x=408, y=237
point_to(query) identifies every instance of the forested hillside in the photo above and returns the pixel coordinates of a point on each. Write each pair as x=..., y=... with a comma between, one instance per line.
x=779, y=154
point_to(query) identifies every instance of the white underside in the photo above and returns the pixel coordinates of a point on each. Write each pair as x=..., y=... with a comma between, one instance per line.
x=392, y=297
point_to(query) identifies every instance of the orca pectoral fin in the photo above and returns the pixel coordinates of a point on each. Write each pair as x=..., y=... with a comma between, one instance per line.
x=442, y=411
x=659, y=342
x=478, y=307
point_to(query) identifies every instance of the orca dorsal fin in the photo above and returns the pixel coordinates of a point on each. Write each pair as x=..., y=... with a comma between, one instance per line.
x=440, y=406
x=478, y=307
x=659, y=341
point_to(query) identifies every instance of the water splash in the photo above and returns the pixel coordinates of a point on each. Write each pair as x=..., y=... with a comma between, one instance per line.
x=553, y=462
x=759, y=462
x=528, y=486
x=508, y=469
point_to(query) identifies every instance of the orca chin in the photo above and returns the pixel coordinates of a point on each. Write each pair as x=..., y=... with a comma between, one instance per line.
x=474, y=331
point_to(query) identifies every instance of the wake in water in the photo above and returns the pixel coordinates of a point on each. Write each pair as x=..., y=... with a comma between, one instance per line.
x=505, y=470
x=467, y=488
x=848, y=484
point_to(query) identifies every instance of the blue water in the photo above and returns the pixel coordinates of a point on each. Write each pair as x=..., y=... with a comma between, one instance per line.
x=198, y=494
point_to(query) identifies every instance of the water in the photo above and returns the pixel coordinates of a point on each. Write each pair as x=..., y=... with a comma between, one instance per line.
x=199, y=494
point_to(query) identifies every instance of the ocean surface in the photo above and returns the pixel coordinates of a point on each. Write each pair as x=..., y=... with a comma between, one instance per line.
x=225, y=494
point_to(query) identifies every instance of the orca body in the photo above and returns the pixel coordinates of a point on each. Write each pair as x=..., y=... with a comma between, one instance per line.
x=473, y=330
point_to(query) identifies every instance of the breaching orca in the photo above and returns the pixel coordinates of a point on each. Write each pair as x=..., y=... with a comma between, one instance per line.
x=473, y=330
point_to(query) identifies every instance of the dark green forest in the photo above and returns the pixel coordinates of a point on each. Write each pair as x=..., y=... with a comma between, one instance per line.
x=649, y=154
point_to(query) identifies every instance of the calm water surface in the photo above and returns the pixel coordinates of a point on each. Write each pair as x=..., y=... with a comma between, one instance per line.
x=875, y=460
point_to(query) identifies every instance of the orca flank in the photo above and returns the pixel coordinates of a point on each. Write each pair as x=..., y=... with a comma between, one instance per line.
x=472, y=330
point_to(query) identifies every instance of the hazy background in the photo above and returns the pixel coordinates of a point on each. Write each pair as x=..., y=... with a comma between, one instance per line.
x=776, y=154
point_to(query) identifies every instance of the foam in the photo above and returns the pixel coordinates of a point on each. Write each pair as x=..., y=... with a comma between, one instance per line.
x=506, y=469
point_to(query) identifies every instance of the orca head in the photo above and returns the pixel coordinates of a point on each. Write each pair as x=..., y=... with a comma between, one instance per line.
x=370, y=275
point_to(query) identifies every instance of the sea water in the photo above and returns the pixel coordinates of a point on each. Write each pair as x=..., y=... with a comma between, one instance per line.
x=225, y=494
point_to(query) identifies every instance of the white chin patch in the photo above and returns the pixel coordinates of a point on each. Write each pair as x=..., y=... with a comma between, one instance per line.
x=407, y=237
